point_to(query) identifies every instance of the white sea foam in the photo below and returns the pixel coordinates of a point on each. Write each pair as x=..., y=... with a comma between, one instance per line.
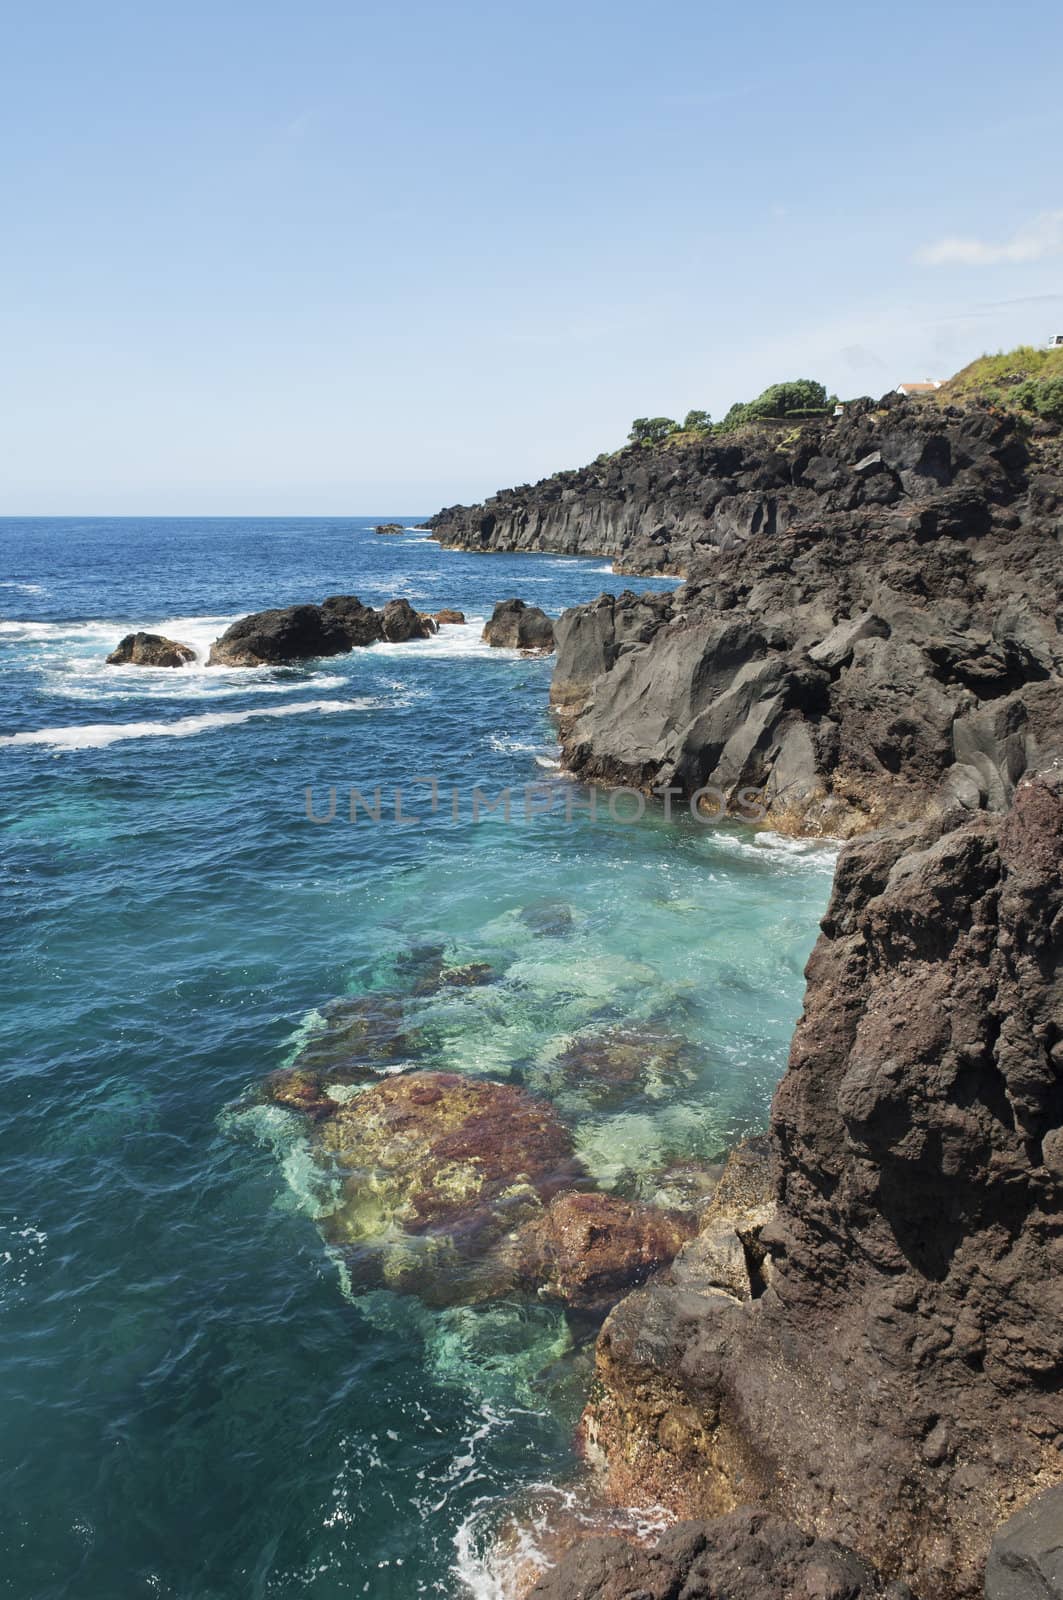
x=95, y=736
x=454, y=640
x=23, y=588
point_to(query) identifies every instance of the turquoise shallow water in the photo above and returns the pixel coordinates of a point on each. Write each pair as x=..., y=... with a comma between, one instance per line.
x=191, y=1403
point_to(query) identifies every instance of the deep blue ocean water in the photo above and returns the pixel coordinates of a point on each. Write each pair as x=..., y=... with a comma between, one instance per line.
x=192, y=1402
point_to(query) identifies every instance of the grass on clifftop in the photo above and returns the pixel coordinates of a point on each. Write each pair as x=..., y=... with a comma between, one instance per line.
x=1026, y=379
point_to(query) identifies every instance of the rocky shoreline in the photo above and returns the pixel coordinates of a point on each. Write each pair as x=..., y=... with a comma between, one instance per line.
x=865, y=1336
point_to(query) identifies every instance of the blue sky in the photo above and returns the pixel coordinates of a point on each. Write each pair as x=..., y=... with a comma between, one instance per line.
x=363, y=258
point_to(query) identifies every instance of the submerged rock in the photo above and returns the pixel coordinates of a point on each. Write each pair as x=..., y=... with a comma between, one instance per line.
x=448, y=616
x=514, y=625
x=389, y=527
x=357, y=1031
x=150, y=650
x=610, y=1068
x=750, y=1555
x=585, y=1250
x=434, y=1169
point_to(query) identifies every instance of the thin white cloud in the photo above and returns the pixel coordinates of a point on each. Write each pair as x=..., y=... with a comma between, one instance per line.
x=1040, y=238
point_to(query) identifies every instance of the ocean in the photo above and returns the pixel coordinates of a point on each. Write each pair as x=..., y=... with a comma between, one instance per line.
x=195, y=1400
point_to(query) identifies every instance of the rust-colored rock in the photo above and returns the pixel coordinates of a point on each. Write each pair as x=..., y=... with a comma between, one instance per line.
x=586, y=1250
x=435, y=1168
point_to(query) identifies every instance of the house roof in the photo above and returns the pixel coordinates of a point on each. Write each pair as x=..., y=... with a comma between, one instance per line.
x=918, y=388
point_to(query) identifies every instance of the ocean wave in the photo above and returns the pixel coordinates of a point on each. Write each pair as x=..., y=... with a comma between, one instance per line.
x=96, y=736
x=23, y=588
x=501, y=1550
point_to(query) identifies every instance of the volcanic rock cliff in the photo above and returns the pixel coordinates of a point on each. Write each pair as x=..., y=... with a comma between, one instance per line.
x=660, y=509
x=882, y=1361
x=866, y=1335
x=886, y=645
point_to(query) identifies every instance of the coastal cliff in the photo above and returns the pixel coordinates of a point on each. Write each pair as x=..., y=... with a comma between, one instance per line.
x=882, y=1360
x=864, y=1338
x=848, y=667
x=661, y=508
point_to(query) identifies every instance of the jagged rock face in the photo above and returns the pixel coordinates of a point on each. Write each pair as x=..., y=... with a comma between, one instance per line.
x=890, y=1373
x=514, y=625
x=150, y=650
x=831, y=677
x=660, y=510
x=746, y=1556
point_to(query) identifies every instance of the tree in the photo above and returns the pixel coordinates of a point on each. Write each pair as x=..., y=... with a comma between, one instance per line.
x=697, y=422
x=651, y=430
x=800, y=396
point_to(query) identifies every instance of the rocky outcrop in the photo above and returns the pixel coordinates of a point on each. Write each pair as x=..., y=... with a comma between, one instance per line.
x=389, y=527
x=299, y=633
x=749, y=1555
x=1026, y=1560
x=400, y=622
x=843, y=672
x=662, y=509
x=881, y=1360
x=150, y=650
x=514, y=625
x=448, y=616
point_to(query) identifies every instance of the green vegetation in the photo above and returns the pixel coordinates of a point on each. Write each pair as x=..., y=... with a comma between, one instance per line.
x=802, y=397
x=696, y=422
x=1025, y=380
x=652, y=430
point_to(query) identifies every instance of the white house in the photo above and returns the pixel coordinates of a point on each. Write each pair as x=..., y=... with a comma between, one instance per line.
x=919, y=388
x=1055, y=343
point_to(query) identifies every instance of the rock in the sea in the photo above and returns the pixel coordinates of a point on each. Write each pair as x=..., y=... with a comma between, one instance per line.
x=358, y=1031
x=150, y=650
x=435, y=1169
x=448, y=616
x=1026, y=1558
x=749, y=1555
x=401, y=622
x=882, y=1360
x=389, y=527
x=586, y=1250
x=297, y=633
x=609, y=1068
x=513, y=625
x=549, y=918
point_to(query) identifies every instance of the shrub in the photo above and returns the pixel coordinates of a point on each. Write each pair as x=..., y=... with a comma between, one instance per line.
x=1044, y=399
x=801, y=396
x=651, y=430
x=696, y=422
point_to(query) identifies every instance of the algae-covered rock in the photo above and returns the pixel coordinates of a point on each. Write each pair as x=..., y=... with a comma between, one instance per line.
x=434, y=1169
x=355, y=1032
x=610, y=1067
